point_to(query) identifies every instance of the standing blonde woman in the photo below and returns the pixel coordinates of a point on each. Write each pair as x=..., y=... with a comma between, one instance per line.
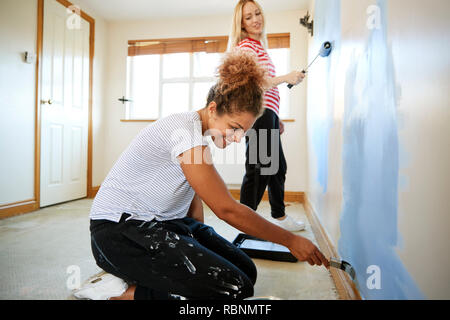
x=248, y=32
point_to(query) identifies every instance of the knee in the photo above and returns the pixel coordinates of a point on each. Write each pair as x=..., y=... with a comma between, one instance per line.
x=244, y=288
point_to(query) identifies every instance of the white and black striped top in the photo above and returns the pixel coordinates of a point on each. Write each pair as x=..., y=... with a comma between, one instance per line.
x=147, y=181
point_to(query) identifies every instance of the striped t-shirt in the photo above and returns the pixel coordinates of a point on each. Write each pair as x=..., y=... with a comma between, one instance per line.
x=147, y=180
x=271, y=96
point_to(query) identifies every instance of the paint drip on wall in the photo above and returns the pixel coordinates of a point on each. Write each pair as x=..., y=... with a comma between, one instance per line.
x=369, y=229
x=321, y=78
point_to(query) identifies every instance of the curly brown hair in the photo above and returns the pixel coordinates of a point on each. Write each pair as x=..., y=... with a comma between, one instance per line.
x=240, y=87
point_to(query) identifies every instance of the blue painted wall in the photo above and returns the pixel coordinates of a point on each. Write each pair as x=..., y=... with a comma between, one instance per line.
x=369, y=232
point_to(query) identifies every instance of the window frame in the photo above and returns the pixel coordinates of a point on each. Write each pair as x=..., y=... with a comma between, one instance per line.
x=174, y=45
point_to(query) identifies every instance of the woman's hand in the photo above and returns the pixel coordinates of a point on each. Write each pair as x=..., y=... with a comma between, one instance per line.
x=281, y=127
x=305, y=250
x=294, y=77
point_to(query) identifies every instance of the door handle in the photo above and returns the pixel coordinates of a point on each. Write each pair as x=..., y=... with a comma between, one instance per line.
x=49, y=101
x=123, y=100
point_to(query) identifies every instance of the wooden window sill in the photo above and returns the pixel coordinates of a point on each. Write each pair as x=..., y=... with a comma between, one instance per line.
x=153, y=120
x=138, y=120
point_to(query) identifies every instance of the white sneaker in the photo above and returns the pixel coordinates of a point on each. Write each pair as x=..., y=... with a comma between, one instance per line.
x=290, y=224
x=102, y=287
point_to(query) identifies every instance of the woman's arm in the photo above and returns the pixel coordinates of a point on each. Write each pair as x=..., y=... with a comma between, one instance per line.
x=209, y=186
x=294, y=77
x=196, y=209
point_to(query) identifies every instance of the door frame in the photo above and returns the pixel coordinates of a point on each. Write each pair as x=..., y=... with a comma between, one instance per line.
x=28, y=205
x=37, y=151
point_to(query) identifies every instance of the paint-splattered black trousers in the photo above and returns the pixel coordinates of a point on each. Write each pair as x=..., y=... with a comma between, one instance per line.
x=181, y=257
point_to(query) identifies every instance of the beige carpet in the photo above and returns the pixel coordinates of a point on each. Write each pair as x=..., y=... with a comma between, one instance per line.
x=42, y=252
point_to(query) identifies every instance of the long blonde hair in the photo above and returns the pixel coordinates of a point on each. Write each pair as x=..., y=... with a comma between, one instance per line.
x=238, y=33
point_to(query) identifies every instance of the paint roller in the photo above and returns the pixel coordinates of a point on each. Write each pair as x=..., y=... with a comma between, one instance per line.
x=343, y=265
x=324, y=51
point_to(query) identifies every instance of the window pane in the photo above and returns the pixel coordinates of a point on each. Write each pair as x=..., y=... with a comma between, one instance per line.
x=280, y=58
x=200, y=94
x=175, y=98
x=143, y=86
x=205, y=64
x=176, y=65
x=284, y=101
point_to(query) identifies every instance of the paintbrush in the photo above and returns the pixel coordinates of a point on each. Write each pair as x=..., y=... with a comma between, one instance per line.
x=343, y=265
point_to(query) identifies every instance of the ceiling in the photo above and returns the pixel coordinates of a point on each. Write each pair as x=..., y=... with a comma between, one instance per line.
x=114, y=10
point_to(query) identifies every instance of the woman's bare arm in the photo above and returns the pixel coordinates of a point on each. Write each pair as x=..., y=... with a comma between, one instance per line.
x=196, y=209
x=210, y=187
x=294, y=77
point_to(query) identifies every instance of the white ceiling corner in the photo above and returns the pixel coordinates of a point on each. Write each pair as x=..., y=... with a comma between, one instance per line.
x=125, y=10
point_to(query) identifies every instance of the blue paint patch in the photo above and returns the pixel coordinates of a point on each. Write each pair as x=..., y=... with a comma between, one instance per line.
x=320, y=143
x=321, y=79
x=369, y=228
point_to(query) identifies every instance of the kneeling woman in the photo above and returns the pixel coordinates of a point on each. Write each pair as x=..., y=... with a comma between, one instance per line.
x=147, y=218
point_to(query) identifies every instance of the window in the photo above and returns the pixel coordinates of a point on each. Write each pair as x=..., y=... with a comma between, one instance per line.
x=280, y=58
x=175, y=75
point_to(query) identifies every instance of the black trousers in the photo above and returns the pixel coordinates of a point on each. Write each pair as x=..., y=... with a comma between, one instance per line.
x=178, y=257
x=255, y=179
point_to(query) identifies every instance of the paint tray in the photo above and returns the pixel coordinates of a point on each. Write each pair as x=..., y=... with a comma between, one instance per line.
x=262, y=249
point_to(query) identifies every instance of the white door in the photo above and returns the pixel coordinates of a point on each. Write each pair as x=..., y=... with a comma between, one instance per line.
x=64, y=106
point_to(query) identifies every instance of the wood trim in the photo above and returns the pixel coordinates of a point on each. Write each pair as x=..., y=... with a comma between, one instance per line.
x=91, y=86
x=153, y=120
x=11, y=209
x=289, y=196
x=235, y=193
x=134, y=42
x=345, y=286
x=12, y=204
x=269, y=36
x=24, y=206
x=83, y=14
x=18, y=208
x=279, y=40
x=196, y=44
x=138, y=120
x=37, y=117
x=93, y=192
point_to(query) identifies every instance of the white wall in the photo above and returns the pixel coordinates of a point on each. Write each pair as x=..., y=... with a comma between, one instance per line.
x=18, y=21
x=119, y=134
x=18, y=31
x=420, y=41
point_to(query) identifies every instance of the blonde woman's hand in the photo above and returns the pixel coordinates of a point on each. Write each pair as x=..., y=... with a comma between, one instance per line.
x=281, y=127
x=294, y=77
